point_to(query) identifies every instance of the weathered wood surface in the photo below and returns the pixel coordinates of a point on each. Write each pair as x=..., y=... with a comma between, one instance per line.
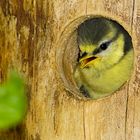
x=29, y=33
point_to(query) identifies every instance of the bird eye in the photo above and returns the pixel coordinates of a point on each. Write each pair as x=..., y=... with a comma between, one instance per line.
x=104, y=46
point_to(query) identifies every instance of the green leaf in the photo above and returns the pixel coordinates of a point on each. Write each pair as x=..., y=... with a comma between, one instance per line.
x=13, y=101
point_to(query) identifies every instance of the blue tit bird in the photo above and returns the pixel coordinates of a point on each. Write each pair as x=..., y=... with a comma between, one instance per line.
x=105, y=60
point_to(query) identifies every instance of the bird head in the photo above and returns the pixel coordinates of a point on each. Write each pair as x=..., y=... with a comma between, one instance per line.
x=101, y=43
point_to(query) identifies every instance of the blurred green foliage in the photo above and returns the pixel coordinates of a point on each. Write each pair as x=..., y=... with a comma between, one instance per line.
x=13, y=101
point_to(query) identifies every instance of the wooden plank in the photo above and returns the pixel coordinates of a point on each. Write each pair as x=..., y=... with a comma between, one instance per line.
x=110, y=121
x=133, y=113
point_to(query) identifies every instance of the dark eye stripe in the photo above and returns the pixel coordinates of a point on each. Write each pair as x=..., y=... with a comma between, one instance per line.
x=101, y=48
x=83, y=54
x=97, y=50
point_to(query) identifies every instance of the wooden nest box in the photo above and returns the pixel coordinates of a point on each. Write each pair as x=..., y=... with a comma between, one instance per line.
x=35, y=37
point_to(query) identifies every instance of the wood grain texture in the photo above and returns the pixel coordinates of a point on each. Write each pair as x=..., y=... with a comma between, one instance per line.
x=29, y=36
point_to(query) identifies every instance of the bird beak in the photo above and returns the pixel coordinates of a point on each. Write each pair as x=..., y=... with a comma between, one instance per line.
x=87, y=60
